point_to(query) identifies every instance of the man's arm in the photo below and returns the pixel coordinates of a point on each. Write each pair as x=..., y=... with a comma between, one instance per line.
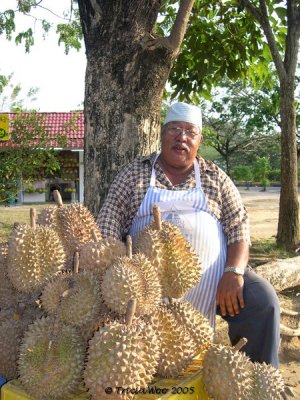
x=230, y=288
x=112, y=217
x=235, y=223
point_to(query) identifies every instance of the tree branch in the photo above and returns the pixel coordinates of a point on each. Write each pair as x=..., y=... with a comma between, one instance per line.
x=173, y=42
x=292, y=38
x=180, y=24
x=263, y=18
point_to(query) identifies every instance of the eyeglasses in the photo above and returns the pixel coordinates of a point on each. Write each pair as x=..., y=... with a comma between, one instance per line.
x=175, y=131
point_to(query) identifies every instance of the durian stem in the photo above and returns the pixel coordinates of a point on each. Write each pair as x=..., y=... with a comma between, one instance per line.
x=241, y=343
x=131, y=306
x=76, y=263
x=157, y=217
x=129, y=246
x=57, y=198
x=33, y=218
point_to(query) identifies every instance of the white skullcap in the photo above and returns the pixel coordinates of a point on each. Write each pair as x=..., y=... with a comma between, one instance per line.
x=185, y=113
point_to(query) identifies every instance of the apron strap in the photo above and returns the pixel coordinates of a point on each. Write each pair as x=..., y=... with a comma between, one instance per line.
x=197, y=174
x=153, y=174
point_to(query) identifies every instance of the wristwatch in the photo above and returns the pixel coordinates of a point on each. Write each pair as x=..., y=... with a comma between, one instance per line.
x=236, y=270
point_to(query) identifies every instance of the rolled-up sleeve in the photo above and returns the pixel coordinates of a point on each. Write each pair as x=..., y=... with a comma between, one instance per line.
x=113, y=215
x=124, y=198
x=234, y=216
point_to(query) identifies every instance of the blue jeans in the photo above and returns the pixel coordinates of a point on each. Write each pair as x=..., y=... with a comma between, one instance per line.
x=258, y=321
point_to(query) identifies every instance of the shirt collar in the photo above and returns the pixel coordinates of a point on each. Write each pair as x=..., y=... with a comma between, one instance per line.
x=203, y=164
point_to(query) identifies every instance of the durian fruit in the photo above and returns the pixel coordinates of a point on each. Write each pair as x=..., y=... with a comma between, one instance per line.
x=51, y=359
x=34, y=254
x=131, y=277
x=121, y=355
x=177, y=264
x=195, y=324
x=227, y=374
x=73, y=297
x=7, y=291
x=97, y=256
x=14, y=322
x=176, y=348
x=74, y=224
x=268, y=383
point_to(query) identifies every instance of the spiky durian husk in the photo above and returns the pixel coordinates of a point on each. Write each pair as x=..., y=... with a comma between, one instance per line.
x=176, y=351
x=48, y=217
x=98, y=256
x=268, y=383
x=104, y=317
x=33, y=256
x=128, y=279
x=177, y=264
x=120, y=356
x=196, y=325
x=227, y=374
x=75, y=226
x=7, y=291
x=51, y=360
x=12, y=329
x=74, y=298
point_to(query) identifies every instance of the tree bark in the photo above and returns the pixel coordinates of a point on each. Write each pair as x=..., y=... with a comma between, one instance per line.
x=288, y=222
x=123, y=89
x=282, y=274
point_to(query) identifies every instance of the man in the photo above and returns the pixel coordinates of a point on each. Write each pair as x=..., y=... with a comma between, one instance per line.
x=202, y=200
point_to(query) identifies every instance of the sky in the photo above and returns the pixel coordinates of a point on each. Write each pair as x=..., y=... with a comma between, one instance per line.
x=59, y=77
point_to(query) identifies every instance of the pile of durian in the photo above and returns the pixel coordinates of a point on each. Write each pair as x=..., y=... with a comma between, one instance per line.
x=77, y=309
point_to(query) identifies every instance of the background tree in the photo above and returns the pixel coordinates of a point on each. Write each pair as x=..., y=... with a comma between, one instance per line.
x=243, y=173
x=241, y=122
x=11, y=96
x=31, y=153
x=261, y=170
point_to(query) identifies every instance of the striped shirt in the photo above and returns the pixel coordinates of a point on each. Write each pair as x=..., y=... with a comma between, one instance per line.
x=130, y=186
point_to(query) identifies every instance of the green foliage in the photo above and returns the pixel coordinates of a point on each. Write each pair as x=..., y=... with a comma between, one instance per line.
x=11, y=98
x=221, y=40
x=261, y=170
x=31, y=155
x=242, y=173
x=7, y=23
x=240, y=123
x=69, y=32
x=27, y=37
x=274, y=175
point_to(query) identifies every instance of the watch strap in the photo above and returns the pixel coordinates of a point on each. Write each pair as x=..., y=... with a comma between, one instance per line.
x=236, y=270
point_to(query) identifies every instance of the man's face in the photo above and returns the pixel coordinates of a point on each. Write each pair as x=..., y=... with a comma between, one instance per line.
x=179, y=143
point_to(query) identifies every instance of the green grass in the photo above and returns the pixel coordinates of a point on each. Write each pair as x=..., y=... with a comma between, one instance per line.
x=268, y=248
x=20, y=214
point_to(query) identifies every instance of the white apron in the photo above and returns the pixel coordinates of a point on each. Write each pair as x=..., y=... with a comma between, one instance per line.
x=188, y=210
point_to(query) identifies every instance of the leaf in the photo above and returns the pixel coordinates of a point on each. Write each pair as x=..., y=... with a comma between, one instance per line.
x=281, y=12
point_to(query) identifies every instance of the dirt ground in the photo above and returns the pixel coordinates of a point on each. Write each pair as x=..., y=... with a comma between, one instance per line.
x=263, y=211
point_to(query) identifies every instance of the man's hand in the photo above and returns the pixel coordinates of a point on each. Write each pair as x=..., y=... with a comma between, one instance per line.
x=230, y=294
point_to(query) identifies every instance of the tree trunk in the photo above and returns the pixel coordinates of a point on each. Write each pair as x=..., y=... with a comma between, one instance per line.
x=282, y=274
x=288, y=223
x=124, y=85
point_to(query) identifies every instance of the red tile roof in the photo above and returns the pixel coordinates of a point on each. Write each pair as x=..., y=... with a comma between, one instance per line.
x=59, y=122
